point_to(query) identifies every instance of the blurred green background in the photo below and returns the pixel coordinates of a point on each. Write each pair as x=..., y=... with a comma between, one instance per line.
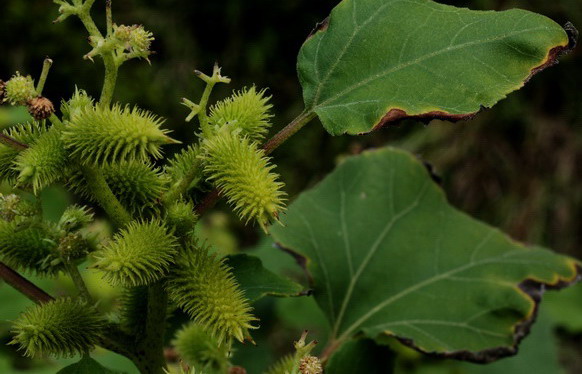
x=517, y=166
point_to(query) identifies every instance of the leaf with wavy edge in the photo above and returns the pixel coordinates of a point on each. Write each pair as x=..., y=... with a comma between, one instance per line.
x=388, y=255
x=374, y=62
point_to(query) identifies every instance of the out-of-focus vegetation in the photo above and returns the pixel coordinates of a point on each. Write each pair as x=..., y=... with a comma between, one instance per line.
x=517, y=166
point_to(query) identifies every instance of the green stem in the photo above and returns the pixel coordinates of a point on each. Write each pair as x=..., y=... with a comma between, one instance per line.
x=109, y=17
x=202, y=116
x=111, y=69
x=78, y=280
x=101, y=191
x=46, y=67
x=85, y=17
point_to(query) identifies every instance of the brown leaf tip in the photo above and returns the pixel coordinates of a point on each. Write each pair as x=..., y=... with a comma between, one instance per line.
x=396, y=115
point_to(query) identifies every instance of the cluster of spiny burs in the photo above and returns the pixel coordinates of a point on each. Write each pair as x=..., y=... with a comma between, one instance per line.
x=104, y=152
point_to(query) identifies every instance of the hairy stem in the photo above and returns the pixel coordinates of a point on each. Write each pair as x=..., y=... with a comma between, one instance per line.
x=111, y=69
x=46, y=67
x=288, y=131
x=78, y=280
x=23, y=285
x=101, y=191
x=150, y=358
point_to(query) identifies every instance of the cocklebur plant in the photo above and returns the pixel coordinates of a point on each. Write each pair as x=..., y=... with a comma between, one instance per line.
x=377, y=237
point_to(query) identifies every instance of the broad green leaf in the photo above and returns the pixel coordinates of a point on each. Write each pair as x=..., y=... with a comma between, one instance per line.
x=361, y=356
x=257, y=282
x=388, y=255
x=87, y=366
x=378, y=61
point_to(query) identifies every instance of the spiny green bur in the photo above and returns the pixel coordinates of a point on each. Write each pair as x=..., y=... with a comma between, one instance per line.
x=139, y=255
x=101, y=135
x=204, y=287
x=61, y=328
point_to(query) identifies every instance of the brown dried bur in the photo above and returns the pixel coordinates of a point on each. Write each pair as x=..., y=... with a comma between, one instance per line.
x=40, y=108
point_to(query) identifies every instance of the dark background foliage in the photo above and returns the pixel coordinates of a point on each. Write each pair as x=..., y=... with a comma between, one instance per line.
x=517, y=166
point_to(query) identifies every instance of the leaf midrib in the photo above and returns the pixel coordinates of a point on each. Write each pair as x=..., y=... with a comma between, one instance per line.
x=418, y=60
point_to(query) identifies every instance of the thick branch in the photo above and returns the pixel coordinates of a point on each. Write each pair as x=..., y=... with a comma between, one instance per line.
x=23, y=285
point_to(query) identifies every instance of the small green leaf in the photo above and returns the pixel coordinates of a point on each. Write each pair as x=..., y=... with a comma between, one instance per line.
x=258, y=282
x=378, y=61
x=87, y=366
x=388, y=255
x=361, y=356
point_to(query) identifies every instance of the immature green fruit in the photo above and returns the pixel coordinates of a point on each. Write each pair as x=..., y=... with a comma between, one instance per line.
x=43, y=162
x=285, y=365
x=19, y=90
x=26, y=133
x=40, y=108
x=203, y=285
x=246, y=110
x=75, y=218
x=182, y=217
x=200, y=350
x=101, y=135
x=243, y=174
x=30, y=246
x=61, y=328
x=183, y=163
x=136, y=184
x=140, y=255
x=76, y=105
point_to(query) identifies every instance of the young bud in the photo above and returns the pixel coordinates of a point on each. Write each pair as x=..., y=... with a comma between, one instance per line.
x=203, y=285
x=19, y=90
x=75, y=218
x=243, y=174
x=246, y=110
x=135, y=40
x=99, y=135
x=40, y=108
x=200, y=350
x=140, y=255
x=73, y=246
x=61, y=328
x=182, y=217
x=76, y=105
